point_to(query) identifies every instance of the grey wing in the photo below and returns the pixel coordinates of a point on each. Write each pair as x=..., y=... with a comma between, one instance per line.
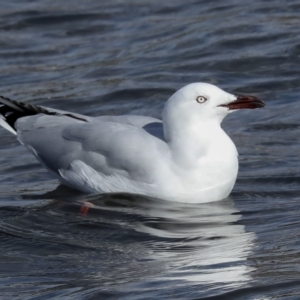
x=151, y=125
x=137, y=121
x=107, y=147
x=42, y=134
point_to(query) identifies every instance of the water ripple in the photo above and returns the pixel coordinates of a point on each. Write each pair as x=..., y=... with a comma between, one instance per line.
x=129, y=57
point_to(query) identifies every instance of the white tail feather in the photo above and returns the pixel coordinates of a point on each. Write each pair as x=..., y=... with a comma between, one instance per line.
x=6, y=126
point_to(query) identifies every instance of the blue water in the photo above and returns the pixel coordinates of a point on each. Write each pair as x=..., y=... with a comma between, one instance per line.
x=115, y=57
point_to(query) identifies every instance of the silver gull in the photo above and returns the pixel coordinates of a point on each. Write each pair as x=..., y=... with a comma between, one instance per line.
x=185, y=157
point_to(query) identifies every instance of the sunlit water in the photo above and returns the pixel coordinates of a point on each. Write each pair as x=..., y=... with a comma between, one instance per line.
x=115, y=57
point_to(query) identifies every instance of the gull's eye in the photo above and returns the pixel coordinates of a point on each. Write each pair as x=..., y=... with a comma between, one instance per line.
x=201, y=99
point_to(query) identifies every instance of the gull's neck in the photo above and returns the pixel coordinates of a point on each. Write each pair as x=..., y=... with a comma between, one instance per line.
x=192, y=140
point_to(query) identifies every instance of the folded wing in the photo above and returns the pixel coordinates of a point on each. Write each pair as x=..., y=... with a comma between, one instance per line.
x=108, y=148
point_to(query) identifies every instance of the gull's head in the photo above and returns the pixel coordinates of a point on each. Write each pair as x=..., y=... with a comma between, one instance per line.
x=204, y=101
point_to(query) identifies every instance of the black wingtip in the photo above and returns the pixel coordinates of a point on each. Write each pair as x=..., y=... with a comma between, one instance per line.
x=12, y=110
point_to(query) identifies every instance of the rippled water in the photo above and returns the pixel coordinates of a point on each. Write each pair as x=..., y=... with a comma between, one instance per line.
x=114, y=57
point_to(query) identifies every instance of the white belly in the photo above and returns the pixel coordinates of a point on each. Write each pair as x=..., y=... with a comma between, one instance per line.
x=189, y=188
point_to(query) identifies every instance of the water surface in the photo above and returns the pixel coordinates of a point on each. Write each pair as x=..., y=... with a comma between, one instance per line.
x=115, y=57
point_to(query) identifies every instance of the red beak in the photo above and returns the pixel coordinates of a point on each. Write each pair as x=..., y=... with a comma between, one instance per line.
x=250, y=102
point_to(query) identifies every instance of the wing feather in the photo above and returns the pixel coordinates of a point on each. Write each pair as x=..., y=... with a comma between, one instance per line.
x=107, y=147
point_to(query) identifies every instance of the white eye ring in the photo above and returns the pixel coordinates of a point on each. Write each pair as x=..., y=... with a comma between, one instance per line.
x=201, y=99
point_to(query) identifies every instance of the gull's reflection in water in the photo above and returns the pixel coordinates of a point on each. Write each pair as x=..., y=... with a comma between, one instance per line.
x=202, y=243
x=144, y=244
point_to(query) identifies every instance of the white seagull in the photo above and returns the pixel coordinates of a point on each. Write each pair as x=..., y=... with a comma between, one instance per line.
x=185, y=157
